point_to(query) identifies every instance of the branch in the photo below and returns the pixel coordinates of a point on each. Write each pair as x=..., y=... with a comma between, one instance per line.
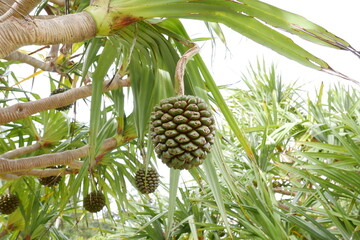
x=53, y=54
x=9, y=177
x=48, y=172
x=11, y=169
x=284, y=192
x=40, y=173
x=24, y=58
x=21, y=151
x=283, y=206
x=44, y=17
x=18, y=32
x=23, y=110
x=20, y=8
x=52, y=159
x=5, y=5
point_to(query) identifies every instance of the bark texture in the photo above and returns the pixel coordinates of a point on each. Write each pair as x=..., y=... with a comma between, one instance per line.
x=47, y=172
x=18, y=32
x=23, y=110
x=24, y=58
x=5, y=5
x=20, y=8
x=8, y=177
x=21, y=151
x=52, y=159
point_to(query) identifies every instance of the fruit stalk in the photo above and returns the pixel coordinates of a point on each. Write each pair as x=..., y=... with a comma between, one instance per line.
x=180, y=68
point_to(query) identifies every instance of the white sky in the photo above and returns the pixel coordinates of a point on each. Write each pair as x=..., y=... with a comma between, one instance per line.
x=342, y=18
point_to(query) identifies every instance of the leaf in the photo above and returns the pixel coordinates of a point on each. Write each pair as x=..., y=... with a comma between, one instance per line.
x=56, y=126
x=90, y=54
x=174, y=184
x=249, y=19
x=311, y=225
x=106, y=59
x=216, y=190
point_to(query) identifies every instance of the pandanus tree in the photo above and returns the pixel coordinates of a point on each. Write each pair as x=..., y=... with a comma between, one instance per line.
x=98, y=49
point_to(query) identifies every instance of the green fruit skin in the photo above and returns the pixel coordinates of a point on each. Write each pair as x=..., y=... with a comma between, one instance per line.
x=182, y=130
x=147, y=182
x=9, y=203
x=94, y=201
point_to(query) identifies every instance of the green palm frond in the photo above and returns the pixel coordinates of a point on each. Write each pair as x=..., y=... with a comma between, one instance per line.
x=254, y=19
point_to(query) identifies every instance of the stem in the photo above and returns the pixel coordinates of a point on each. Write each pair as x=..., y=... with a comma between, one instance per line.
x=284, y=192
x=23, y=110
x=17, y=32
x=180, y=68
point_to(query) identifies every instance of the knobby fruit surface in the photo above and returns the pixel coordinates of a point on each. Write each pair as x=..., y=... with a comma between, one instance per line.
x=9, y=203
x=182, y=130
x=147, y=180
x=50, y=181
x=94, y=201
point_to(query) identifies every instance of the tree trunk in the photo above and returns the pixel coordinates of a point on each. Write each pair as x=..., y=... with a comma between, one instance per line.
x=18, y=32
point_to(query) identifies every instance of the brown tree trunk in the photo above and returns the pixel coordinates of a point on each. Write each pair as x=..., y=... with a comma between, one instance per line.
x=18, y=32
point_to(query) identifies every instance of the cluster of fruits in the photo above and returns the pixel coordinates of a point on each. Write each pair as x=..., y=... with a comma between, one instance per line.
x=182, y=131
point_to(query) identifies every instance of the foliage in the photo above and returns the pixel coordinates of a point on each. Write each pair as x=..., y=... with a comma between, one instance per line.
x=282, y=167
x=303, y=183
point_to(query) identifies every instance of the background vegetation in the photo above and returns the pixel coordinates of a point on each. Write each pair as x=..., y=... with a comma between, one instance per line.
x=285, y=164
